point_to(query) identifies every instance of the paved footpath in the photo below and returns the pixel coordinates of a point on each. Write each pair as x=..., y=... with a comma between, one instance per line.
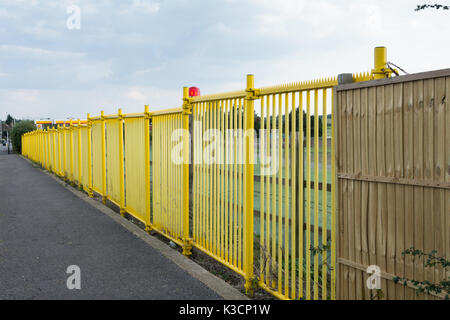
x=44, y=228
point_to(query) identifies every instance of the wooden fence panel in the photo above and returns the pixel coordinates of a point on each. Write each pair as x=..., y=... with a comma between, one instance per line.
x=393, y=181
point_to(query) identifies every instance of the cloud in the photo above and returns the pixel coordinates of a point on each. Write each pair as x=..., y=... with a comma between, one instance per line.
x=134, y=52
x=136, y=94
x=146, y=6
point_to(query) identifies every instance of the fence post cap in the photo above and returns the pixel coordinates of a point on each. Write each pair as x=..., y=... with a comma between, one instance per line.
x=345, y=78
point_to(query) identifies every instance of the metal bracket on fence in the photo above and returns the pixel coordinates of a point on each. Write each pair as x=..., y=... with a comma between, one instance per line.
x=252, y=94
x=187, y=106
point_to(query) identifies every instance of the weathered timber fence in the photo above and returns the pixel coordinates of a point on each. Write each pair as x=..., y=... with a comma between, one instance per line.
x=393, y=171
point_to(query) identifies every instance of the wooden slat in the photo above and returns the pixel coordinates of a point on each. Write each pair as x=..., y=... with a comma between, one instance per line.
x=399, y=190
x=357, y=191
x=364, y=186
x=408, y=164
x=439, y=172
x=350, y=195
x=381, y=188
x=372, y=212
x=447, y=171
x=417, y=146
x=389, y=141
x=428, y=203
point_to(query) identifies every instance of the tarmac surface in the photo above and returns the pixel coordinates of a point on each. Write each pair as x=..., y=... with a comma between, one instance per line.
x=45, y=228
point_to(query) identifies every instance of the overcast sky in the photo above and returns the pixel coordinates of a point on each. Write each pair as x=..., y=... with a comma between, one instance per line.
x=128, y=53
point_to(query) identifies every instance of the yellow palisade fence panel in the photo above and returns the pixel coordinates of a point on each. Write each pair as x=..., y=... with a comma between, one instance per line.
x=218, y=208
x=76, y=165
x=84, y=158
x=113, y=162
x=97, y=157
x=167, y=175
x=135, y=189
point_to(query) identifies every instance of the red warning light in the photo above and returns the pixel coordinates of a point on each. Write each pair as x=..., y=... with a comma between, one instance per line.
x=194, y=92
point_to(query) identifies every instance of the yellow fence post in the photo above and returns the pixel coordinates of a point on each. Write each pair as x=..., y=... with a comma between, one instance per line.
x=80, y=186
x=248, y=187
x=89, y=151
x=102, y=117
x=71, y=150
x=187, y=110
x=147, y=168
x=381, y=69
x=64, y=151
x=54, y=149
x=121, y=171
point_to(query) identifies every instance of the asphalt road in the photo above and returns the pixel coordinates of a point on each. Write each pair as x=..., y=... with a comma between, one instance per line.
x=44, y=228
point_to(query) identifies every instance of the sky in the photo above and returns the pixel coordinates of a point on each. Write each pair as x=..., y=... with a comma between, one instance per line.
x=129, y=53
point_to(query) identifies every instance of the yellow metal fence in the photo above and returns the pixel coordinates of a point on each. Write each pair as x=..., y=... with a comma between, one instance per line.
x=260, y=202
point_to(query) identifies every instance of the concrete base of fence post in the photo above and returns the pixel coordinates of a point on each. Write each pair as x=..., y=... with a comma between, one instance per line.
x=249, y=287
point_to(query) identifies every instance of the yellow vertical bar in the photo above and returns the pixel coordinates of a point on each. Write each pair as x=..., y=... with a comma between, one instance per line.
x=216, y=212
x=168, y=201
x=195, y=177
x=198, y=141
x=210, y=183
x=308, y=195
x=222, y=181
x=204, y=121
x=54, y=149
x=156, y=154
x=300, y=203
x=333, y=201
x=261, y=195
x=227, y=206
x=249, y=187
x=89, y=151
x=280, y=191
x=64, y=152
x=316, y=193
x=60, y=151
x=121, y=164
x=147, y=166
x=293, y=202
x=178, y=124
x=274, y=195
x=71, y=151
x=268, y=212
x=102, y=115
x=236, y=203
x=186, y=112
x=324, y=193
x=286, y=196
x=241, y=177
x=79, y=155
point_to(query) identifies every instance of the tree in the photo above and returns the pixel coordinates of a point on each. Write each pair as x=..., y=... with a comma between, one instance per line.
x=16, y=134
x=435, y=6
x=9, y=120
